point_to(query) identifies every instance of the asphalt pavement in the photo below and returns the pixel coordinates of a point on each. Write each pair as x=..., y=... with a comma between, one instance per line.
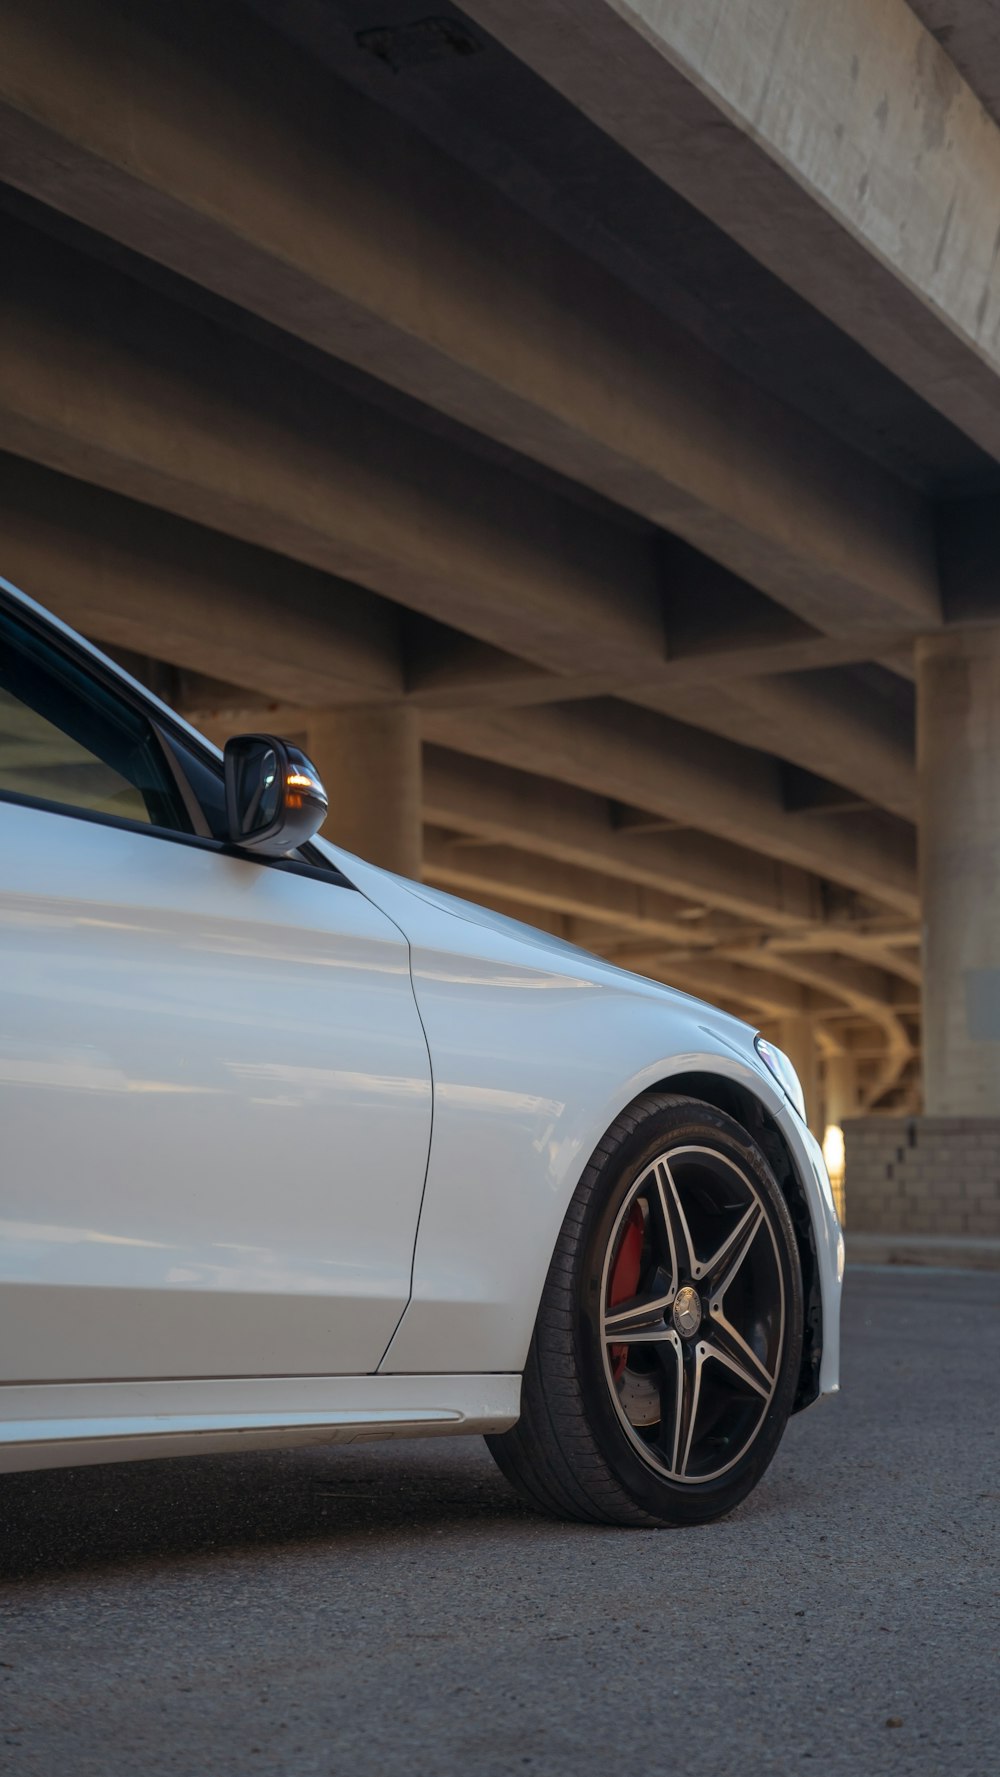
x=393, y=1609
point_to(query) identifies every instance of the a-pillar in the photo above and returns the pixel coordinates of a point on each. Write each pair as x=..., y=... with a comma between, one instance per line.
x=369, y=760
x=958, y=764
x=797, y=1036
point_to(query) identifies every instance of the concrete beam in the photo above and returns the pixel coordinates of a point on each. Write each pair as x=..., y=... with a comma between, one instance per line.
x=726, y=661
x=838, y=144
x=446, y=669
x=707, y=783
x=239, y=618
x=846, y=978
x=134, y=578
x=817, y=722
x=716, y=979
x=497, y=870
x=257, y=448
x=521, y=809
x=718, y=629
x=886, y=964
x=863, y=989
x=817, y=988
x=677, y=776
x=844, y=942
x=341, y=226
x=825, y=983
x=218, y=431
x=138, y=579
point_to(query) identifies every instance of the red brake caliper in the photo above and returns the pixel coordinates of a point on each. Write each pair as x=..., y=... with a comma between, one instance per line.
x=625, y=1277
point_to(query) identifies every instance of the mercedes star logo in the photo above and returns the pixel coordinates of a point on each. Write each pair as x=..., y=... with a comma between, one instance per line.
x=687, y=1311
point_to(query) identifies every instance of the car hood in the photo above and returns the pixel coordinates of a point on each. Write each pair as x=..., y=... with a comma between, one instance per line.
x=498, y=922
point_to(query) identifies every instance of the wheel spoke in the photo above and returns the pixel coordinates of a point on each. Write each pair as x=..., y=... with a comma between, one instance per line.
x=689, y=1409
x=639, y=1322
x=672, y=1396
x=676, y=1243
x=725, y=1264
x=727, y=1338
x=727, y=1348
x=724, y=1267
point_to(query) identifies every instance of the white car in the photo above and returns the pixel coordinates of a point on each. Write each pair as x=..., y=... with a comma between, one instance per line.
x=295, y=1151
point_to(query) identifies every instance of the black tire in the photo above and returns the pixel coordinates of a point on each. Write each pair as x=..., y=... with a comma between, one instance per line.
x=574, y=1452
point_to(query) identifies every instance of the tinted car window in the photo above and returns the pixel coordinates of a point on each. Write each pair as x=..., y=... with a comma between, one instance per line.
x=68, y=740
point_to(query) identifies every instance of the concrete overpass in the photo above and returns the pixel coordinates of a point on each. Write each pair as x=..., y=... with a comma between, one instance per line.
x=580, y=421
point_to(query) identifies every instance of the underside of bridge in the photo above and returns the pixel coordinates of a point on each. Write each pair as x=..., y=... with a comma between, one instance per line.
x=579, y=421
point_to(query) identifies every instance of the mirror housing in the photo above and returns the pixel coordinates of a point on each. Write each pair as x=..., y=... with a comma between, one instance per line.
x=275, y=800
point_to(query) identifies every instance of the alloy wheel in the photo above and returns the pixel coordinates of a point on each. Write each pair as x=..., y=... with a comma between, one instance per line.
x=692, y=1313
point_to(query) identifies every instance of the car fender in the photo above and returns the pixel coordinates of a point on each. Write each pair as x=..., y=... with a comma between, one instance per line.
x=535, y=1053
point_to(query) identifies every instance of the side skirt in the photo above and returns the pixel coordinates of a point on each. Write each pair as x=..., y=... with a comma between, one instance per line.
x=62, y=1425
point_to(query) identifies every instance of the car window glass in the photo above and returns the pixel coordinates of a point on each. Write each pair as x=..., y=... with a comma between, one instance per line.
x=69, y=740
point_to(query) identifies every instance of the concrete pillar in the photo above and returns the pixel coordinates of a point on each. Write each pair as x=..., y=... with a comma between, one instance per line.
x=369, y=760
x=797, y=1036
x=840, y=1097
x=958, y=762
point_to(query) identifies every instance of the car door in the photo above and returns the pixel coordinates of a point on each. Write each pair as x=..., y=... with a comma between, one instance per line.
x=214, y=1087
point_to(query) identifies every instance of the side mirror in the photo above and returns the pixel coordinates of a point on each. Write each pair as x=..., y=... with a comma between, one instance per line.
x=275, y=800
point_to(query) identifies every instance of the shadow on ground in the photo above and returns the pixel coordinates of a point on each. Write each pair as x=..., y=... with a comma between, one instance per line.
x=66, y=1520
x=63, y=1521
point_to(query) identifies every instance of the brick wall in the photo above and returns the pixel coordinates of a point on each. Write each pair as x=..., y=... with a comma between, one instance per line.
x=923, y=1175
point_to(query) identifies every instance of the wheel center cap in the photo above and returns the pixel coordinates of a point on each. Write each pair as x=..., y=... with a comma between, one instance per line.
x=687, y=1311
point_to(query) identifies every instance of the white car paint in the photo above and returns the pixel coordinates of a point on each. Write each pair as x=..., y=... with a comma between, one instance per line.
x=563, y=1042
x=69, y=1423
x=215, y=1094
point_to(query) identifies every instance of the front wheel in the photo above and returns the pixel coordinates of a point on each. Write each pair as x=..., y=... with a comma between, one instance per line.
x=667, y=1346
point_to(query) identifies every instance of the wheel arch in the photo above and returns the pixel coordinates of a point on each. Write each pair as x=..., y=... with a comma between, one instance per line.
x=738, y=1101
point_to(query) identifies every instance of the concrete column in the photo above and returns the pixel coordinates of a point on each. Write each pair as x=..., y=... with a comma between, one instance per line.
x=840, y=1098
x=797, y=1036
x=958, y=762
x=369, y=760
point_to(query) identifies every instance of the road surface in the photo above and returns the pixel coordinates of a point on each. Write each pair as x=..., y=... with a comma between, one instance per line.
x=393, y=1609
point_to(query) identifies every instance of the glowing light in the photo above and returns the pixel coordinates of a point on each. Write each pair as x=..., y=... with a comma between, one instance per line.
x=834, y=1155
x=297, y=780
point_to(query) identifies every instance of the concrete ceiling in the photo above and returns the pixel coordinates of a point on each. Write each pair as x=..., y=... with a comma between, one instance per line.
x=350, y=356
